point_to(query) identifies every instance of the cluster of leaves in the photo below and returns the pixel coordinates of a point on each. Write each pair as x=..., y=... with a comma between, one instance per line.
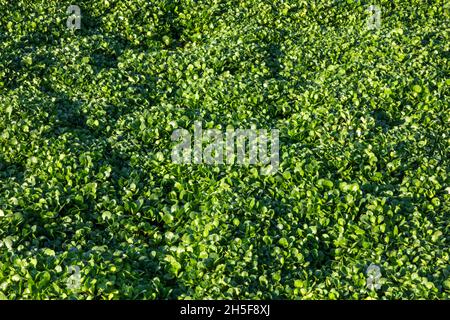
x=86, y=179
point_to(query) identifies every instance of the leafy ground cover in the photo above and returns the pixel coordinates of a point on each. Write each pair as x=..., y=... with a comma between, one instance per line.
x=86, y=178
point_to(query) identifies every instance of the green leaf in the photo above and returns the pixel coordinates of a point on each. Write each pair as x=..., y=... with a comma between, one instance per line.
x=436, y=235
x=49, y=252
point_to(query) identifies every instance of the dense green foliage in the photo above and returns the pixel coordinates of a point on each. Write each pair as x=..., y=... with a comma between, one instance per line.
x=86, y=178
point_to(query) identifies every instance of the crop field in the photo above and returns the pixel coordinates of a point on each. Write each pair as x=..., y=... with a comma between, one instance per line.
x=224, y=149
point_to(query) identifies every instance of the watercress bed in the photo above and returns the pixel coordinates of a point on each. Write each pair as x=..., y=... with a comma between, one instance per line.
x=93, y=207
